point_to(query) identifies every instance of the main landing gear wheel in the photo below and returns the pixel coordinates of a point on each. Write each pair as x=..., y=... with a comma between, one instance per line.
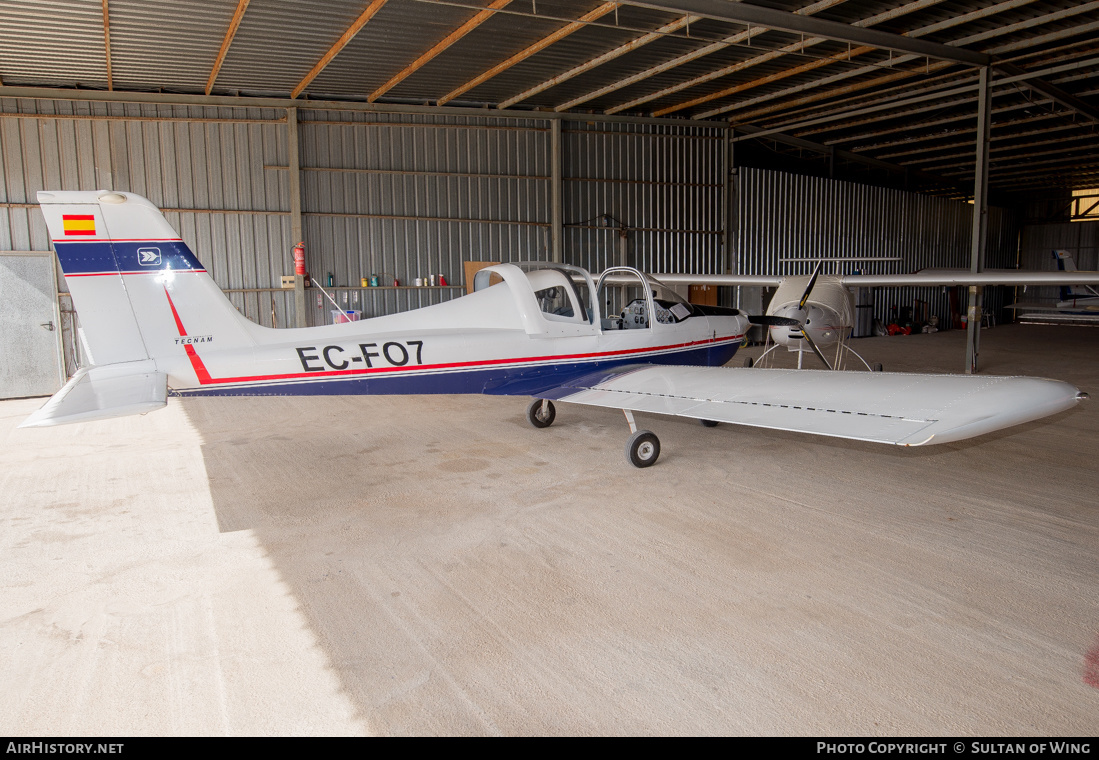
x=708, y=423
x=643, y=449
x=541, y=413
x=876, y=367
x=749, y=362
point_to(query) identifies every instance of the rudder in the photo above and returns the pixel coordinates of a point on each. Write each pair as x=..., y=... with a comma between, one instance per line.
x=136, y=286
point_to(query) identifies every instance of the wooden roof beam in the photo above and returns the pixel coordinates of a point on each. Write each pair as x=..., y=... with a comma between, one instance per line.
x=340, y=44
x=771, y=55
x=439, y=47
x=722, y=10
x=107, y=45
x=971, y=39
x=686, y=58
x=234, y=24
x=621, y=50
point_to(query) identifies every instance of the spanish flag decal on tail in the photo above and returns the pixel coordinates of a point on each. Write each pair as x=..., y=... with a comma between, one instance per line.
x=78, y=224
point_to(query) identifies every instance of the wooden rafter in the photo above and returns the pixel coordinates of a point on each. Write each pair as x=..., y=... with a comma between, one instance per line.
x=845, y=55
x=682, y=60
x=107, y=45
x=522, y=55
x=878, y=18
x=621, y=50
x=229, y=34
x=439, y=47
x=927, y=69
x=341, y=43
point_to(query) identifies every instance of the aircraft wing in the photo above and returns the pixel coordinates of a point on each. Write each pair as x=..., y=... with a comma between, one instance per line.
x=898, y=408
x=966, y=277
x=96, y=393
x=926, y=277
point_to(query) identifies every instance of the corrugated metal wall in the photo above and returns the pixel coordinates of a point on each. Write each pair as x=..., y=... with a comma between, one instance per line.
x=662, y=184
x=403, y=196
x=394, y=195
x=783, y=216
x=203, y=166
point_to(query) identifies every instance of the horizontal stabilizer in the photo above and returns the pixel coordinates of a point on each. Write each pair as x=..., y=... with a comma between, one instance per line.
x=903, y=409
x=96, y=393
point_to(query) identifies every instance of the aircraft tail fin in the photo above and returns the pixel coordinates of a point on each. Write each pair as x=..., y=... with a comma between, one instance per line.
x=141, y=298
x=1065, y=263
x=138, y=290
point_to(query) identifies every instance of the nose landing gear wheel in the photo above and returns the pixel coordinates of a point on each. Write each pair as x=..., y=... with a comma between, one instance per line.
x=642, y=449
x=541, y=413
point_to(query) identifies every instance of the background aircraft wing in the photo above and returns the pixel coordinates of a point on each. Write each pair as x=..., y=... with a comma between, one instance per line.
x=966, y=277
x=903, y=409
x=922, y=278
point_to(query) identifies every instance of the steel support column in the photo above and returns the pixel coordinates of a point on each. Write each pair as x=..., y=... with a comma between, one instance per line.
x=980, y=219
x=726, y=200
x=556, y=187
x=294, y=163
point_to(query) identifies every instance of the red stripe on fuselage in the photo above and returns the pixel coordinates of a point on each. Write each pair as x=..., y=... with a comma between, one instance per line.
x=459, y=365
x=201, y=372
x=175, y=314
x=196, y=364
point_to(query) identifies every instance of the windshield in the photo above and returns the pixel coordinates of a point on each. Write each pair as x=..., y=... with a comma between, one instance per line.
x=563, y=292
x=625, y=294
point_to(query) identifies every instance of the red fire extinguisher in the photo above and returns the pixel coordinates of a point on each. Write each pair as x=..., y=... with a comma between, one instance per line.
x=299, y=258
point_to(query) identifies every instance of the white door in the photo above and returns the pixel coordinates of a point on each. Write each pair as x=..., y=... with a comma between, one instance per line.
x=30, y=333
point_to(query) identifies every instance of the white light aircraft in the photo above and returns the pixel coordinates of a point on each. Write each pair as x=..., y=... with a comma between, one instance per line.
x=154, y=324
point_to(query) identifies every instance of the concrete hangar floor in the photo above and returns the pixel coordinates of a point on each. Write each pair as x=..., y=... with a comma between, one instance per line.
x=418, y=565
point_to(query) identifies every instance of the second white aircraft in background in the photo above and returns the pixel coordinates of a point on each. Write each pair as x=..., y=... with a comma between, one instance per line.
x=816, y=313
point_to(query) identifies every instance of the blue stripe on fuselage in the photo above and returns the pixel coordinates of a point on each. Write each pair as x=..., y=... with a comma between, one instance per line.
x=103, y=256
x=499, y=381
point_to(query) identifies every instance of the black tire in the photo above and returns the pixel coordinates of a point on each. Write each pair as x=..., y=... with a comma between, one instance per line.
x=643, y=449
x=876, y=367
x=537, y=417
x=749, y=362
x=708, y=423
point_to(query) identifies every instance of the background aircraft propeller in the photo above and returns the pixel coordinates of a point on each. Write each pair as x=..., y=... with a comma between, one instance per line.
x=771, y=321
x=809, y=287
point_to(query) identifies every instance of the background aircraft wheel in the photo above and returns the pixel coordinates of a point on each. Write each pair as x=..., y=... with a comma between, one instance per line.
x=537, y=416
x=749, y=362
x=642, y=449
x=876, y=367
x=708, y=423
